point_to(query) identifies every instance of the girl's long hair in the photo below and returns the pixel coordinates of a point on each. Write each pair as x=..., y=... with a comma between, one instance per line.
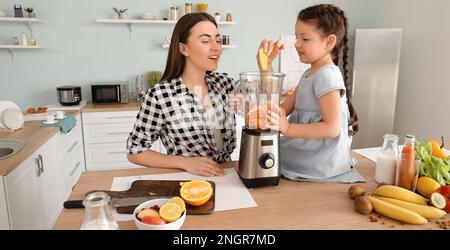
x=332, y=20
x=175, y=60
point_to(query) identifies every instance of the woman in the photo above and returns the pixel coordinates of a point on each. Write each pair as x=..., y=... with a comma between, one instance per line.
x=190, y=108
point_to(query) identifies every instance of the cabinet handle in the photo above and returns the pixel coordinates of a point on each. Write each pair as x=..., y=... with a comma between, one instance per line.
x=38, y=167
x=72, y=147
x=114, y=153
x=42, y=164
x=75, y=168
x=117, y=133
x=120, y=117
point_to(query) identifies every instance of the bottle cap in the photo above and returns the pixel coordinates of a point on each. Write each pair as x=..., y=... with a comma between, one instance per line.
x=411, y=137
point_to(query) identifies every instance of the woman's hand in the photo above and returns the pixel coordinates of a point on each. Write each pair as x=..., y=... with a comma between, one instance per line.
x=202, y=166
x=271, y=48
x=277, y=120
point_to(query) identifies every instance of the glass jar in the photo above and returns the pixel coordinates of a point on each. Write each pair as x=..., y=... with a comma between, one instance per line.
x=386, y=167
x=407, y=168
x=97, y=213
x=174, y=13
x=188, y=8
x=229, y=18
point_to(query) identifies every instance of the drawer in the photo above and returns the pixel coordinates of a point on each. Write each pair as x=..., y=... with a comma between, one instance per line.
x=109, y=117
x=69, y=170
x=76, y=168
x=102, y=133
x=107, y=156
x=70, y=145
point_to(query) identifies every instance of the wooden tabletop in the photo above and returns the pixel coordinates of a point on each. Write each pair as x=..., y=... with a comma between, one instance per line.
x=291, y=205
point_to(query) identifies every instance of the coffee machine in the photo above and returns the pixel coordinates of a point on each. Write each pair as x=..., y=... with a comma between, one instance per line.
x=259, y=151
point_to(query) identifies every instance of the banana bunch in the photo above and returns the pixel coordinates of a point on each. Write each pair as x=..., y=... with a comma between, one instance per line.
x=403, y=205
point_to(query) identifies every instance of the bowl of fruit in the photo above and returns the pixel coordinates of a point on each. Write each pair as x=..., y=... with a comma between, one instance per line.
x=160, y=214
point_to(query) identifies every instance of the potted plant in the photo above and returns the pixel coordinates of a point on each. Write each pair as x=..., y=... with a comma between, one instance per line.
x=153, y=78
x=30, y=10
x=120, y=12
x=217, y=17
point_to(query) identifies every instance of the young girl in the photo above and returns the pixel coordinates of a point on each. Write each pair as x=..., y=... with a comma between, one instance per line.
x=188, y=109
x=317, y=136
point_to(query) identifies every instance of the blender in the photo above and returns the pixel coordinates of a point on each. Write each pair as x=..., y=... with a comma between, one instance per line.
x=259, y=151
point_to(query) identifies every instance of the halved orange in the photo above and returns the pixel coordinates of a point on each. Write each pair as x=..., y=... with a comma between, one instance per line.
x=170, y=212
x=196, y=192
x=178, y=200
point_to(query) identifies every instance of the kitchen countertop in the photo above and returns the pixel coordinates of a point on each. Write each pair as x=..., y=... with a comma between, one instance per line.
x=34, y=135
x=291, y=205
x=131, y=106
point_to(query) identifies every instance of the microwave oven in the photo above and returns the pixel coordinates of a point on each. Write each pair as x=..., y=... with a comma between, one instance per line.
x=110, y=92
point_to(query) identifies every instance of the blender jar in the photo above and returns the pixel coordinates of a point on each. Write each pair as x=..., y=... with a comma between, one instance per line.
x=257, y=92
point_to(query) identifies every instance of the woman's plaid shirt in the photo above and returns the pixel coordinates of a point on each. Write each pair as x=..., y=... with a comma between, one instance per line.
x=173, y=113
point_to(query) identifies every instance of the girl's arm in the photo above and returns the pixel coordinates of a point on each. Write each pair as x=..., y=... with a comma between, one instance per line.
x=329, y=127
x=196, y=165
x=289, y=104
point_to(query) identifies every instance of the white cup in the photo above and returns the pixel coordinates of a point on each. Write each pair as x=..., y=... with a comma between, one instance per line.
x=50, y=119
x=59, y=114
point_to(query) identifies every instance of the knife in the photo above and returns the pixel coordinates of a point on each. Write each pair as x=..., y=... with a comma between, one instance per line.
x=116, y=202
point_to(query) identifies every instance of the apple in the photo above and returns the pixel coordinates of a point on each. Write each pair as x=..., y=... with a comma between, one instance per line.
x=147, y=212
x=153, y=220
x=445, y=191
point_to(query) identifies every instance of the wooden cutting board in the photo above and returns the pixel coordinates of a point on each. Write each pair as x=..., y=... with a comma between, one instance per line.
x=157, y=188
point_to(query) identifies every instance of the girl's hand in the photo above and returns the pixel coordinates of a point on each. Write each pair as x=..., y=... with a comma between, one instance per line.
x=277, y=119
x=271, y=48
x=202, y=166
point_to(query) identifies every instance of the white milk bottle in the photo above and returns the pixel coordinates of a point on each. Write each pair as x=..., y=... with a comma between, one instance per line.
x=386, y=168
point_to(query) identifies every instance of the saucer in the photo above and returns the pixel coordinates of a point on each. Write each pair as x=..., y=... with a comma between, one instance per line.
x=48, y=123
x=61, y=118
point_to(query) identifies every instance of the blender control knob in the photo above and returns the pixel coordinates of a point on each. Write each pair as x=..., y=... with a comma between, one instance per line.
x=267, y=160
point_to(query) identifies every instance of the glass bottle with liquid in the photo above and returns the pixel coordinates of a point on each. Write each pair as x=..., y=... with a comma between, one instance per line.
x=407, y=173
x=386, y=167
x=97, y=213
x=32, y=40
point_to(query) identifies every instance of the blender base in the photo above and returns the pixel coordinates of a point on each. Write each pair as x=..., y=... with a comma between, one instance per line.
x=260, y=182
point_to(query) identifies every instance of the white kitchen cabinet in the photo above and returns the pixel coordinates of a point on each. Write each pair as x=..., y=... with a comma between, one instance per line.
x=105, y=137
x=32, y=190
x=69, y=159
x=4, y=219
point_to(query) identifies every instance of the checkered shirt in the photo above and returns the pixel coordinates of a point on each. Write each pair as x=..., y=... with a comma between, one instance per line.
x=173, y=113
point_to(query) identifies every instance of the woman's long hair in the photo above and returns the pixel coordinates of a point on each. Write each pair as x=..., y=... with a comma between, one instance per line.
x=332, y=20
x=175, y=60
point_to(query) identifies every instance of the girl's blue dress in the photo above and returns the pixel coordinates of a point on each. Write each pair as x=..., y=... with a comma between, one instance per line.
x=320, y=160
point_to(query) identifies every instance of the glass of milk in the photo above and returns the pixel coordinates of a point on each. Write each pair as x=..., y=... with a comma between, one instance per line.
x=386, y=167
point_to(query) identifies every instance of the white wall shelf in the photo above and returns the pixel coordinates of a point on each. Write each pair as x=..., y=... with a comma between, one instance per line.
x=231, y=46
x=12, y=48
x=29, y=21
x=130, y=22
